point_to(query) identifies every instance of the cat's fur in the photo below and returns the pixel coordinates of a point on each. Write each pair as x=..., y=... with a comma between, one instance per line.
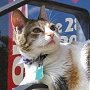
x=69, y=60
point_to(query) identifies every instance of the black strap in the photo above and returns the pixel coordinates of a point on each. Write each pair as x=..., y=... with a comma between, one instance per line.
x=35, y=86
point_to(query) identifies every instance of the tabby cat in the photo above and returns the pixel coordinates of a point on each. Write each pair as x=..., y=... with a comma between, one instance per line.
x=61, y=66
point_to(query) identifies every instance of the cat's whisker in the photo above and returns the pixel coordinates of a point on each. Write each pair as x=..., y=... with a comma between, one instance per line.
x=50, y=14
x=54, y=20
x=53, y=17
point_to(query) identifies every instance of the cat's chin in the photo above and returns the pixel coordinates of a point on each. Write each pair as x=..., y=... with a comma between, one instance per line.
x=50, y=48
x=34, y=51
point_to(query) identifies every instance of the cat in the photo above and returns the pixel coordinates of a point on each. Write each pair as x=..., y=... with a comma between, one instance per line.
x=63, y=65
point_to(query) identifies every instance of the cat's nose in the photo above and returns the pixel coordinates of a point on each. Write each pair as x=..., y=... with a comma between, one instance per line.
x=51, y=35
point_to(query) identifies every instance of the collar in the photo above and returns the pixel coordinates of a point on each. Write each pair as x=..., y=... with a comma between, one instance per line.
x=39, y=59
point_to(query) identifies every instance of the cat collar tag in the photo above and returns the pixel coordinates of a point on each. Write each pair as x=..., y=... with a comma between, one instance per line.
x=39, y=72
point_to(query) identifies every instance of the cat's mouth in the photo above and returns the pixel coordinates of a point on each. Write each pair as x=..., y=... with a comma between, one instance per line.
x=51, y=42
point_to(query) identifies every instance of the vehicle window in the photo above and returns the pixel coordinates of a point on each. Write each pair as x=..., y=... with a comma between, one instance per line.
x=67, y=24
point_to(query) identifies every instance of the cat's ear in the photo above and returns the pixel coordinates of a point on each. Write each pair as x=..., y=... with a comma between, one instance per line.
x=18, y=19
x=42, y=14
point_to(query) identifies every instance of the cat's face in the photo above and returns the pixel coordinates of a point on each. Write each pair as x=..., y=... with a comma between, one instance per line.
x=32, y=34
